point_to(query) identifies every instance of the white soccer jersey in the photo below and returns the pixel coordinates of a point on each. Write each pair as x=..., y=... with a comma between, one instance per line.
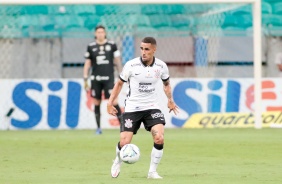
x=142, y=83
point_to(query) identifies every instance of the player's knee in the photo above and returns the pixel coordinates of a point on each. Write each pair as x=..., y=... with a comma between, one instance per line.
x=159, y=138
x=125, y=140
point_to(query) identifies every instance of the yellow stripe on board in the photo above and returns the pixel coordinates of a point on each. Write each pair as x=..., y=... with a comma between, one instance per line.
x=232, y=120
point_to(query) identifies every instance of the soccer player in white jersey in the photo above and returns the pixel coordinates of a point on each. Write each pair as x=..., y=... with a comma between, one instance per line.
x=141, y=105
x=278, y=62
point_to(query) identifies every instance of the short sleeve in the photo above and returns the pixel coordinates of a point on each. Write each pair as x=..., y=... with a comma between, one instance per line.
x=115, y=50
x=87, y=53
x=126, y=72
x=165, y=73
x=278, y=58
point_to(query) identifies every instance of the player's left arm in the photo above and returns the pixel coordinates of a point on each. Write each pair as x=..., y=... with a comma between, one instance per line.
x=170, y=104
x=117, y=60
x=118, y=64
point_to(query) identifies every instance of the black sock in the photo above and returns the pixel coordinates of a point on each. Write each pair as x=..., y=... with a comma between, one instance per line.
x=97, y=115
x=159, y=146
x=118, y=145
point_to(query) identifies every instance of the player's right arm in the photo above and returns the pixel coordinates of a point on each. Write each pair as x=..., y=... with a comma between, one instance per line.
x=123, y=77
x=86, y=68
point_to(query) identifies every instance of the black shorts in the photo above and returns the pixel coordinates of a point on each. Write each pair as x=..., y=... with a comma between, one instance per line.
x=131, y=121
x=98, y=86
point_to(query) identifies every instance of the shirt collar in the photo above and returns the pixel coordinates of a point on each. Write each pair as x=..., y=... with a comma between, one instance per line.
x=146, y=65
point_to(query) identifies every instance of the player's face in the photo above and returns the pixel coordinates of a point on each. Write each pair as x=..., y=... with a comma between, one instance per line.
x=147, y=51
x=100, y=34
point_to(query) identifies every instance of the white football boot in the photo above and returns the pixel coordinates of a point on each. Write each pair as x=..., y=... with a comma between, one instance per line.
x=115, y=170
x=154, y=175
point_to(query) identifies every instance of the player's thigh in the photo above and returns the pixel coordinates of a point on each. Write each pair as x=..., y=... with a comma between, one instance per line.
x=96, y=89
x=108, y=87
x=130, y=122
x=153, y=117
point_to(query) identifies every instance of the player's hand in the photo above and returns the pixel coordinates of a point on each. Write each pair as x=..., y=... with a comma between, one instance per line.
x=86, y=86
x=172, y=107
x=111, y=110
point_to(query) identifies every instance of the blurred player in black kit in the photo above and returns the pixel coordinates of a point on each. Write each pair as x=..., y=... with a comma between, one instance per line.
x=101, y=57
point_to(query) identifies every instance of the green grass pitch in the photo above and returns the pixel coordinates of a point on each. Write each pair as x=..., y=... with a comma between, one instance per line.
x=204, y=156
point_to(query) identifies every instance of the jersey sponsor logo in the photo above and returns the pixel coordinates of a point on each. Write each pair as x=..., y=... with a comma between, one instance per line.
x=144, y=87
x=142, y=83
x=128, y=123
x=108, y=48
x=133, y=65
x=101, y=48
x=100, y=78
x=101, y=60
x=159, y=65
x=94, y=49
x=158, y=115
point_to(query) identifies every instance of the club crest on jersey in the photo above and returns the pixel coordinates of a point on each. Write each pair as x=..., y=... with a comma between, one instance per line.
x=128, y=123
x=101, y=48
x=157, y=73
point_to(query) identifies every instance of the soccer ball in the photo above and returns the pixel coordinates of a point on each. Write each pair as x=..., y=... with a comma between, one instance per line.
x=129, y=153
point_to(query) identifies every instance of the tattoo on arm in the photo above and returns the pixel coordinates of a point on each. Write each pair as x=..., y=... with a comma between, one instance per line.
x=166, y=83
x=167, y=89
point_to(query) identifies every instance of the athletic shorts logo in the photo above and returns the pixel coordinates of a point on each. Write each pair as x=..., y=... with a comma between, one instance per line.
x=128, y=123
x=157, y=115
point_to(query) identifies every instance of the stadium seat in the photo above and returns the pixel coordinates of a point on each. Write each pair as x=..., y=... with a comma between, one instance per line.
x=35, y=9
x=91, y=21
x=190, y=9
x=116, y=20
x=140, y=20
x=27, y=21
x=175, y=9
x=68, y=21
x=13, y=10
x=275, y=31
x=84, y=9
x=60, y=9
x=10, y=32
x=244, y=21
x=47, y=22
x=160, y=20
x=145, y=31
x=245, y=9
x=229, y=21
x=152, y=9
x=167, y=29
x=212, y=20
x=106, y=9
x=178, y=21
x=266, y=8
x=8, y=21
x=271, y=20
x=77, y=32
x=129, y=9
x=277, y=8
x=234, y=31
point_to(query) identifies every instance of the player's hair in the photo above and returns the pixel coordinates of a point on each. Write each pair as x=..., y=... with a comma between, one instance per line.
x=100, y=27
x=150, y=40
